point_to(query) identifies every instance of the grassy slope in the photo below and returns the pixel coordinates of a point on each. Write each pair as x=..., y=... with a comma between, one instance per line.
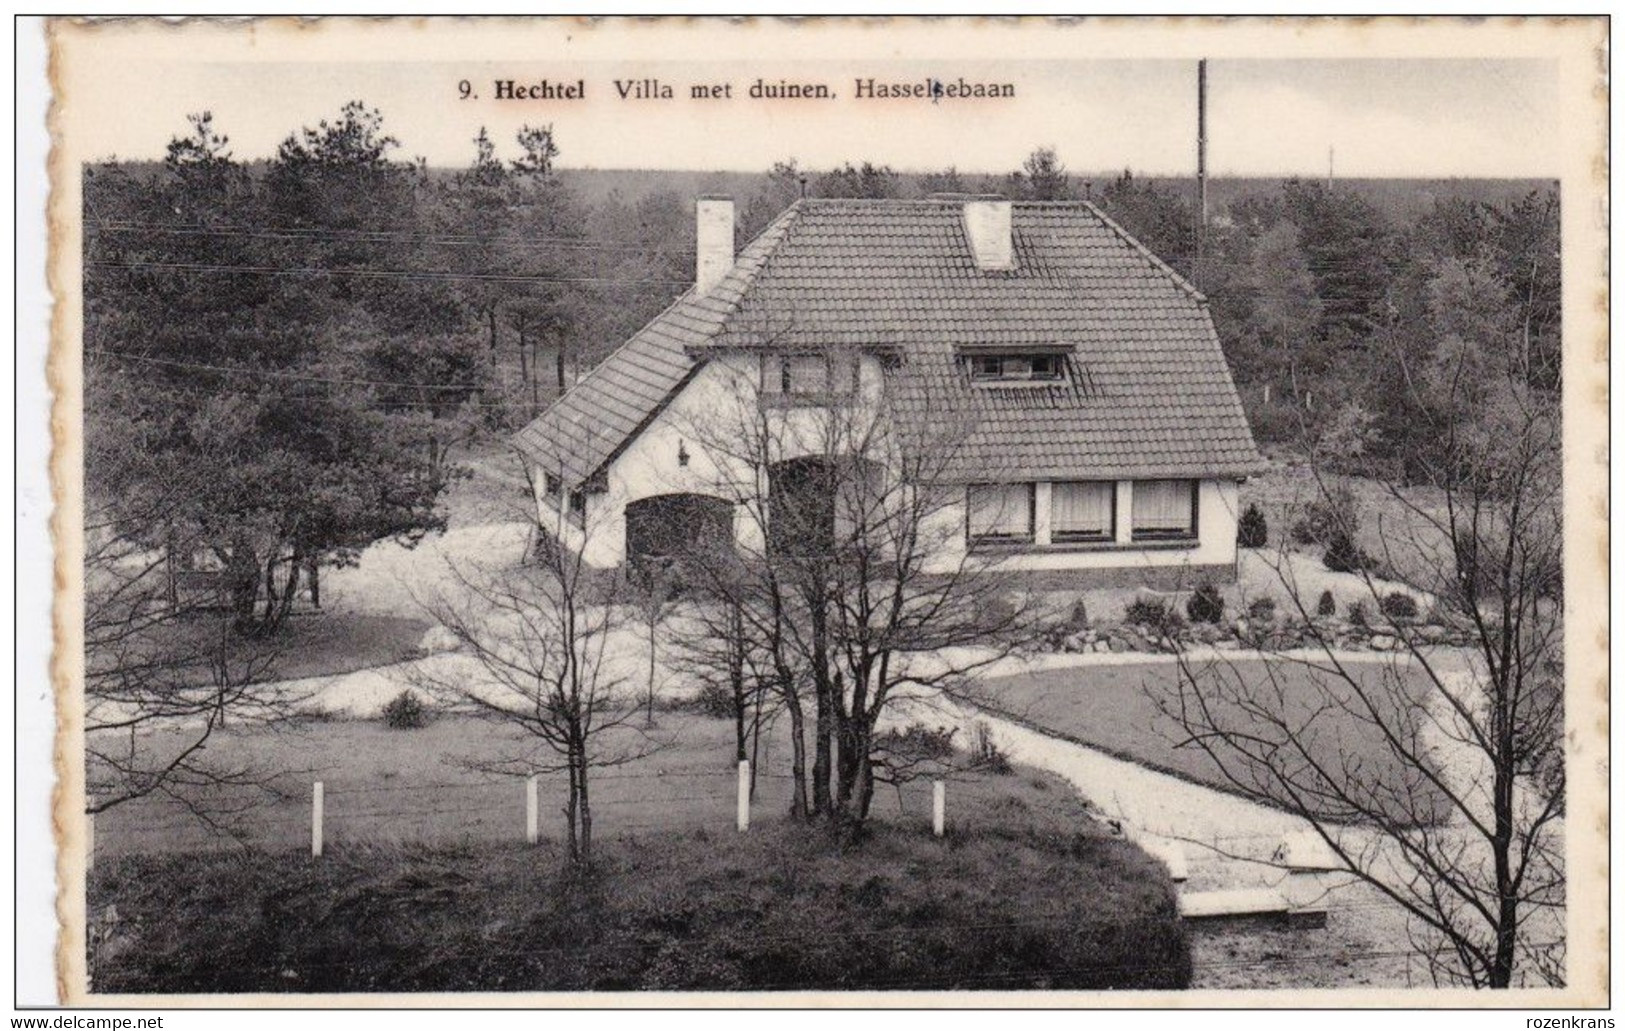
x=1025, y=892
x=1113, y=708
x=309, y=644
x=322, y=644
x=384, y=785
x=392, y=787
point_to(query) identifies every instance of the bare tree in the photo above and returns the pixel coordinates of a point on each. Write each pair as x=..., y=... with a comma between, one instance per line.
x=165, y=671
x=1451, y=804
x=652, y=591
x=542, y=636
x=717, y=648
x=861, y=592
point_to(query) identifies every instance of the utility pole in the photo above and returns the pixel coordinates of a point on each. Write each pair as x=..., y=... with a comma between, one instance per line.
x=1331, y=165
x=1201, y=167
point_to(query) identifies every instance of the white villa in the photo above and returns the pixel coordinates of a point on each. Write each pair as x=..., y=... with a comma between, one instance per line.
x=1107, y=438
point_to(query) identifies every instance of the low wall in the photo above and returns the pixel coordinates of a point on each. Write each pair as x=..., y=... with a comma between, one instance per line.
x=1157, y=578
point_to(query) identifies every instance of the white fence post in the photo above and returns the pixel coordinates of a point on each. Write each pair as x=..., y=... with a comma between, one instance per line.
x=939, y=808
x=316, y=819
x=531, y=833
x=744, y=795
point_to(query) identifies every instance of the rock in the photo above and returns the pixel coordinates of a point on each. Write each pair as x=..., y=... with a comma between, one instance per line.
x=438, y=639
x=1383, y=642
x=1227, y=644
x=1432, y=633
x=1117, y=645
x=1101, y=645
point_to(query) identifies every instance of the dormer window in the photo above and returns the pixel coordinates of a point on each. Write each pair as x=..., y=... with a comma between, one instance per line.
x=991, y=365
x=1016, y=367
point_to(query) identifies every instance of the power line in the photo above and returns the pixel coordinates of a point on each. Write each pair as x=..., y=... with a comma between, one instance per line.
x=199, y=390
x=430, y=275
x=373, y=236
x=416, y=404
x=275, y=374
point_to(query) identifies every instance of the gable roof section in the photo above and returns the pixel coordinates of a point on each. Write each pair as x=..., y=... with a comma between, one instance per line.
x=603, y=412
x=1148, y=394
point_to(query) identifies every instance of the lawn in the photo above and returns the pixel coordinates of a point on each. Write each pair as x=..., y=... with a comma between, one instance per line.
x=384, y=786
x=1113, y=708
x=309, y=644
x=425, y=883
x=323, y=644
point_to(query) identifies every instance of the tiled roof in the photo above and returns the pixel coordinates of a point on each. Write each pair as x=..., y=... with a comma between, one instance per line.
x=1148, y=393
x=611, y=404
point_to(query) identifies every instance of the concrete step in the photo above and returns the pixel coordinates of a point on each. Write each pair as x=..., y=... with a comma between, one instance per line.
x=1263, y=904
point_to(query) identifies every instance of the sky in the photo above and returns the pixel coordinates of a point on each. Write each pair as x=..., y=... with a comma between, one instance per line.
x=1267, y=117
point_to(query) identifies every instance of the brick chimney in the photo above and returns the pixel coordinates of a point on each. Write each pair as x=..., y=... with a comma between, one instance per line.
x=987, y=223
x=713, y=242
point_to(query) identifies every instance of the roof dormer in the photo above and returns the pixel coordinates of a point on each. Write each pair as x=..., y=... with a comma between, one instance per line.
x=1015, y=365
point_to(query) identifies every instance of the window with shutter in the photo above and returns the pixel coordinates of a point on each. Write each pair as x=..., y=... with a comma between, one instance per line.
x=999, y=512
x=1164, y=509
x=1083, y=511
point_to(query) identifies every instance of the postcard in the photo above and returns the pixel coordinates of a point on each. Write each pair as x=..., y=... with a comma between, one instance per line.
x=847, y=512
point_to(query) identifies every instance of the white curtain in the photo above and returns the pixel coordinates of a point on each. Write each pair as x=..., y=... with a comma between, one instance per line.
x=1164, y=507
x=1082, y=509
x=1003, y=510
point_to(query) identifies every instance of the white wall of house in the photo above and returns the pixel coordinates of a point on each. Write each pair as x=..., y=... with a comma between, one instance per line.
x=703, y=422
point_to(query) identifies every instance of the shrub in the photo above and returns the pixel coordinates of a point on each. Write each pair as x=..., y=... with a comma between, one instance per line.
x=405, y=711
x=1325, y=517
x=1343, y=556
x=1262, y=609
x=715, y=699
x=1206, y=605
x=1327, y=606
x=916, y=742
x=1399, y=605
x=1079, y=619
x=1253, y=530
x=1357, y=613
x=1056, y=637
x=1147, y=612
x=1303, y=532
